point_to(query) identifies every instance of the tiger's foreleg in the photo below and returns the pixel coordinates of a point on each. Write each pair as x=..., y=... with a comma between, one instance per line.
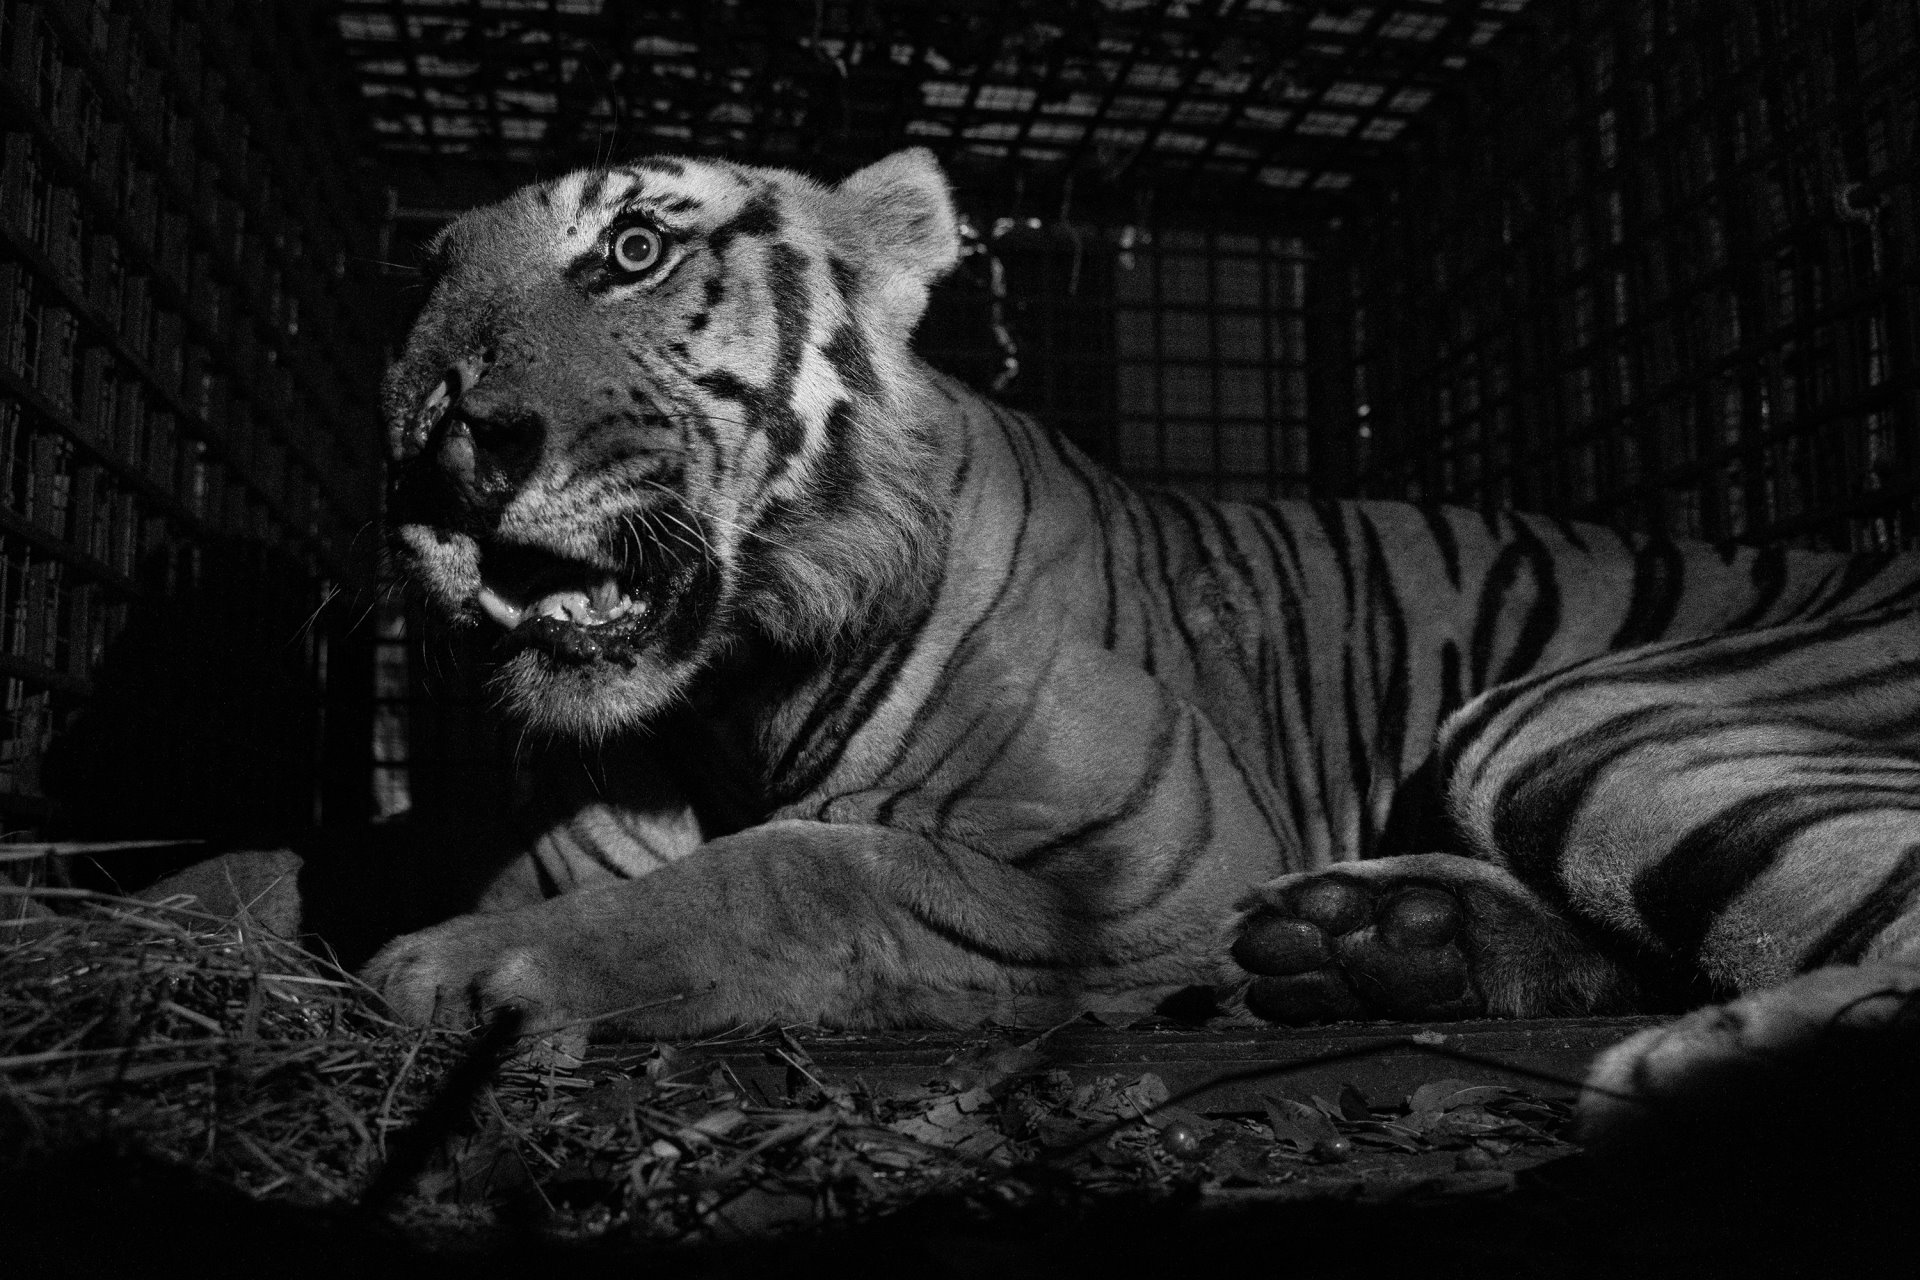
x=790, y=921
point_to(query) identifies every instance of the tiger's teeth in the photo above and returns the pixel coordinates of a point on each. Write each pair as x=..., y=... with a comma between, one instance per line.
x=565, y=606
x=583, y=609
x=500, y=609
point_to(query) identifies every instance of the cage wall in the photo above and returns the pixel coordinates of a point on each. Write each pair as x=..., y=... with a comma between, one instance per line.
x=187, y=438
x=1662, y=274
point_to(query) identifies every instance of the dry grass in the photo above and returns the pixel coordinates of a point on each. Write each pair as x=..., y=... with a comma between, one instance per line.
x=204, y=1041
x=232, y=1053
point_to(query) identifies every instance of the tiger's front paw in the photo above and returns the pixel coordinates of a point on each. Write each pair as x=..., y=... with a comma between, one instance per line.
x=471, y=969
x=1333, y=946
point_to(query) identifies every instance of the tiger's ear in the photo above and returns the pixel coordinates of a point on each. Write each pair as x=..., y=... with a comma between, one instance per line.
x=905, y=211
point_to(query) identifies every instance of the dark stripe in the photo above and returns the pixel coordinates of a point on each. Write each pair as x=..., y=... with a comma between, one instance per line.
x=1293, y=622
x=846, y=352
x=1095, y=491
x=995, y=753
x=1704, y=658
x=845, y=278
x=962, y=648
x=1659, y=575
x=1450, y=694
x=1174, y=505
x=590, y=193
x=1523, y=553
x=1682, y=895
x=1536, y=808
x=1160, y=755
x=1901, y=597
x=587, y=268
x=596, y=852
x=1769, y=578
x=1334, y=526
x=1861, y=568
x=1812, y=598
x=760, y=217
x=1444, y=541
x=1192, y=853
x=787, y=283
x=1273, y=679
x=834, y=476
x=840, y=713
x=1131, y=506
x=1386, y=630
x=549, y=887
x=1847, y=940
x=1359, y=759
x=1565, y=529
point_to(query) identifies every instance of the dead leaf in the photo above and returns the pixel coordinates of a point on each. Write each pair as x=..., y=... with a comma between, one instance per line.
x=1297, y=1124
x=758, y=1211
x=1439, y=1095
x=1353, y=1104
x=715, y=1124
x=959, y=1123
x=1237, y=1164
x=1146, y=1093
x=991, y=1066
x=1163, y=1116
x=614, y=1101
x=1381, y=1134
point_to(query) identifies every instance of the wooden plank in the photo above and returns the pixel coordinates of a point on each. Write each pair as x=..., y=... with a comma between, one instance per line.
x=1218, y=1070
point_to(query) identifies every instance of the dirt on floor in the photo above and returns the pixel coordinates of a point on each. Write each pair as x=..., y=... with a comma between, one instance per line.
x=179, y=1090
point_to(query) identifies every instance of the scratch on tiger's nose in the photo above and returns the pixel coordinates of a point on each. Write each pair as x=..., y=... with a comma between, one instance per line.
x=411, y=438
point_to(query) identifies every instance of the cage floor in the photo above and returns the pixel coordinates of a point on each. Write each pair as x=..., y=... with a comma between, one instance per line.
x=1206, y=1070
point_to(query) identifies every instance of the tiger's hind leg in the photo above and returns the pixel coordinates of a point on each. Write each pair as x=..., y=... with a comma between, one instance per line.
x=1420, y=936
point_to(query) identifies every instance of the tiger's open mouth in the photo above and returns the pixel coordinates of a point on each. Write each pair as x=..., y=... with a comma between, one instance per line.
x=574, y=610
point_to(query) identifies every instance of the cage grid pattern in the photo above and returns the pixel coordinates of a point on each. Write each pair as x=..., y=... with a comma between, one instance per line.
x=1677, y=293
x=184, y=402
x=1259, y=94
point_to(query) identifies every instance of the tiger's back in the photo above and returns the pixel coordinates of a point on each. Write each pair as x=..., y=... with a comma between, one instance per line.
x=1328, y=642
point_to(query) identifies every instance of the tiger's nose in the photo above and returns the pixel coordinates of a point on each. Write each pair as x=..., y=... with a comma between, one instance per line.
x=409, y=439
x=490, y=434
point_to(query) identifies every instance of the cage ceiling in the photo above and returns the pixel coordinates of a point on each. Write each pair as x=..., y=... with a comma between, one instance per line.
x=1208, y=99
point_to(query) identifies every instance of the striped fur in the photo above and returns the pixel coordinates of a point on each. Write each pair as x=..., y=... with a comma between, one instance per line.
x=944, y=722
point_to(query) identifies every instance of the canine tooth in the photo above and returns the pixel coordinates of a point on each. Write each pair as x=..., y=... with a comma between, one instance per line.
x=499, y=608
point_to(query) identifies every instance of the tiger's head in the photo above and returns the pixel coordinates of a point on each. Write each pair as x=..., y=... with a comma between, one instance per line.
x=651, y=411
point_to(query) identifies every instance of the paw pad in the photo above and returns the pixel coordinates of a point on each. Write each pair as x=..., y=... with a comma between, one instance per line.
x=1335, y=947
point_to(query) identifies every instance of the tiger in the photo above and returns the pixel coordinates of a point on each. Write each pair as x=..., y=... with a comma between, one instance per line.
x=922, y=718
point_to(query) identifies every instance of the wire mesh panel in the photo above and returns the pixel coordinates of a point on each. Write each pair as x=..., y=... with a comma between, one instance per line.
x=1175, y=356
x=1664, y=276
x=1211, y=365
x=1248, y=95
x=186, y=442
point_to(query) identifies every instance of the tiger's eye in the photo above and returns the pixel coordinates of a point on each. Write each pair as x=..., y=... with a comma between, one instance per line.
x=635, y=249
